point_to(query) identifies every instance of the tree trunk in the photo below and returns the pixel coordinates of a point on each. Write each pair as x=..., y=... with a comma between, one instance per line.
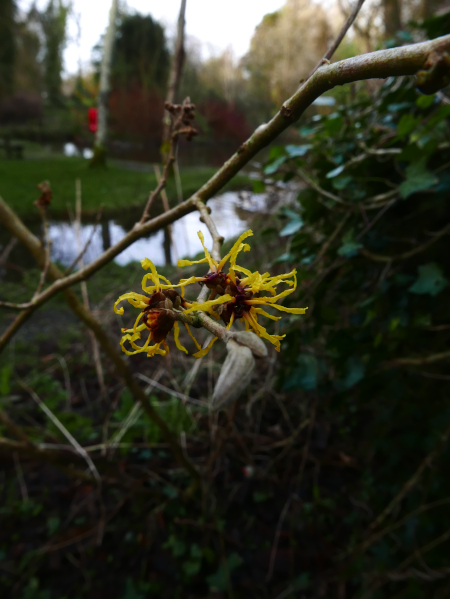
x=106, y=235
x=392, y=15
x=174, y=83
x=99, y=157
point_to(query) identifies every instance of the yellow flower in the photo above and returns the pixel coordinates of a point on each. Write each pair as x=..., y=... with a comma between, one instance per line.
x=154, y=313
x=240, y=296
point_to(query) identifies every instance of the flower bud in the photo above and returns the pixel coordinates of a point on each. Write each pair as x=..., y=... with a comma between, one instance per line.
x=235, y=375
x=255, y=343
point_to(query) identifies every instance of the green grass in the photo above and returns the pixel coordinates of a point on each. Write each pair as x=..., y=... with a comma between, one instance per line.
x=115, y=188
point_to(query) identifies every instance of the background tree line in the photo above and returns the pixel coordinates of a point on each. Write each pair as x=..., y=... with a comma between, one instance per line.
x=233, y=95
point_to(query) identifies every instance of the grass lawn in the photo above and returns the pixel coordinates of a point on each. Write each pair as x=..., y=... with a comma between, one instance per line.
x=115, y=188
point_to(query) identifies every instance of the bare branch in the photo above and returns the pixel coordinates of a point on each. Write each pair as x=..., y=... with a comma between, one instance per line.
x=412, y=481
x=410, y=253
x=217, y=239
x=334, y=46
x=47, y=243
x=79, y=258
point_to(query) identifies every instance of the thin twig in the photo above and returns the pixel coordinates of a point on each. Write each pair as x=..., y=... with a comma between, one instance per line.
x=410, y=253
x=166, y=206
x=47, y=243
x=430, y=359
x=217, y=239
x=182, y=396
x=87, y=244
x=7, y=250
x=15, y=430
x=60, y=426
x=85, y=295
x=412, y=481
x=334, y=46
x=273, y=553
x=20, y=477
x=382, y=533
x=324, y=192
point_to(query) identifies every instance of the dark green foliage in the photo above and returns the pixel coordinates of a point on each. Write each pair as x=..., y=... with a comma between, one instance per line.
x=373, y=264
x=54, y=21
x=7, y=46
x=140, y=54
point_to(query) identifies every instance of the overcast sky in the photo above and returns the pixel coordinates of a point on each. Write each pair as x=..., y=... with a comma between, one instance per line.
x=216, y=23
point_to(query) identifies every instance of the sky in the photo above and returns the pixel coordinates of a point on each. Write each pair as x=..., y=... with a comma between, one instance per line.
x=218, y=24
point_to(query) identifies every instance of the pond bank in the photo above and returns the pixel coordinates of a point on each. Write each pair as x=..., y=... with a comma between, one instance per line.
x=116, y=187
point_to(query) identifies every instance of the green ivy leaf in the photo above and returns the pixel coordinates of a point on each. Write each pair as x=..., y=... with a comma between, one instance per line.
x=219, y=579
x=292, y=227
x=349, y=249
x=295, y=151
x=430, y=280
x=407, y=124
x=286, y=257
x=342, y=182
x=272, y=168
x=418, y=178
x=305, y=374
x=259, y=186
x=355, y=371
x=334, y=125
x=425, y=101
x=301, y=582
x=335, y=172
x=191, y=568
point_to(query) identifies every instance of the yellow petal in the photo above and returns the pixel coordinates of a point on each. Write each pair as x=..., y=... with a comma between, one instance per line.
x=132, y=339
x=135, y=299
x=237, y=247
x=261, y=331
x=212, y=263
x=182, y=263
x=135, y=327
x=145, y=263
x=156, y=349
x=204, y=351
x=244, y=270
x=291, y=310
x=176, y=336
x=205, y=306
x=153, y=275
x=197, y=344
x=231, y=321
x=264, y=313
x=270, y=300
x=138, y=329
x=184, y=282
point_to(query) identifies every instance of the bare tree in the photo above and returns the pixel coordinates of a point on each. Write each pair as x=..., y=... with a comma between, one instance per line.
x=174, y=84
x=99, y=157
x=175, y=73
x=392, y=17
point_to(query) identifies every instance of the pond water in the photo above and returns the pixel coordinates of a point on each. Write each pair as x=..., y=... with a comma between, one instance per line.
x=232, y=212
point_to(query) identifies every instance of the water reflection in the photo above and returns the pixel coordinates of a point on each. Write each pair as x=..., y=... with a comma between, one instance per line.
x=231, y=211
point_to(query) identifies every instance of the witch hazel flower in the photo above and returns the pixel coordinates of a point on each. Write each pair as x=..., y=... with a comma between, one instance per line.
x=241, y=296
